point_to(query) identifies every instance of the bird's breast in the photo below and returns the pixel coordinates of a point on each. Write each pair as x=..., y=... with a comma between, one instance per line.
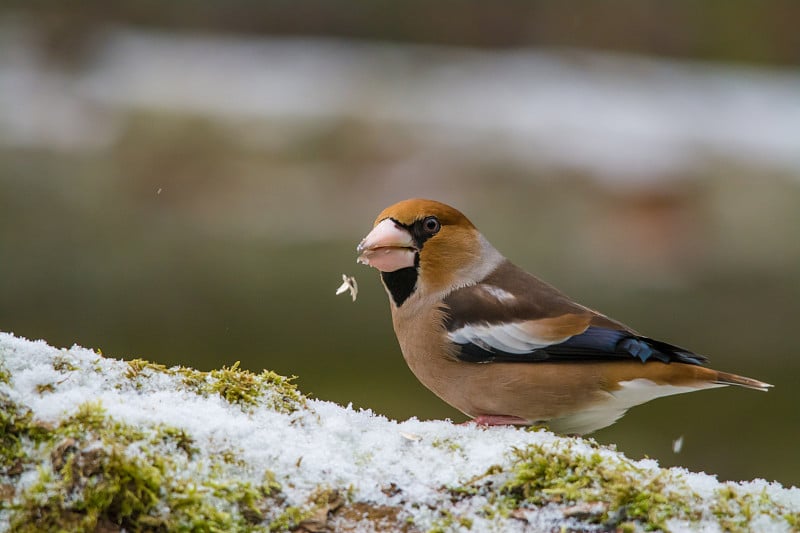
x=427, y=350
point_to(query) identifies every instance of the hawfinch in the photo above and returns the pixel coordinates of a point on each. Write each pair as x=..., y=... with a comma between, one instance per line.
x=504, y=347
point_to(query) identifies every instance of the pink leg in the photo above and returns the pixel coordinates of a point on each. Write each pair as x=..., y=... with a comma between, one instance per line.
x=500, y=420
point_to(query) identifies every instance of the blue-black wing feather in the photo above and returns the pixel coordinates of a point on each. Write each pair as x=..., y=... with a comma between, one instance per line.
x=605, y=339
x=594, y=344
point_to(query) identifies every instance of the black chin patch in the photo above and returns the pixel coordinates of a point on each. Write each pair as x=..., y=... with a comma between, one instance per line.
x=401, y=283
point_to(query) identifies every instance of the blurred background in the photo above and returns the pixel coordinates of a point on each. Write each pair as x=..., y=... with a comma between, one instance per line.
x=187, y=182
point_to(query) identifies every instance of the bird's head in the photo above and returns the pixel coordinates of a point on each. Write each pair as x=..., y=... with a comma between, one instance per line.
x=423, y=245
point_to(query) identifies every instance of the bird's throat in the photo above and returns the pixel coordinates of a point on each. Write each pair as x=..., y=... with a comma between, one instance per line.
x=400, y=283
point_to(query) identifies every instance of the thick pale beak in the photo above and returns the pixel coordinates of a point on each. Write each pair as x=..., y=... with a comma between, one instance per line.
x=388, y=247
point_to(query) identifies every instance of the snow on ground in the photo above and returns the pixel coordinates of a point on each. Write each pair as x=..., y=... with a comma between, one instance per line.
x=412, y=467
x=622, y=117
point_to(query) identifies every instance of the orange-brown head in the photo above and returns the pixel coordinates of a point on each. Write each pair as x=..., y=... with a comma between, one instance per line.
x=423, y=245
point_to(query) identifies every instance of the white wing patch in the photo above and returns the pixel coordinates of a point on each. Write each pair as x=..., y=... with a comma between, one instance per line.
x=508, y=337
x=496, y=292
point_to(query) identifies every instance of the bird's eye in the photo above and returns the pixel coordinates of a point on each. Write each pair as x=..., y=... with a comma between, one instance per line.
x=431, y=225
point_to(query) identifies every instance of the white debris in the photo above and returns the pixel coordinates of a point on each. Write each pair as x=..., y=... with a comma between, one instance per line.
x=413, y=437
x=677, y=445
x=348, y=284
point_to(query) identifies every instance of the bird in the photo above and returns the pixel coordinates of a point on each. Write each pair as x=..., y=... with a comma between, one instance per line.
x=506, y=348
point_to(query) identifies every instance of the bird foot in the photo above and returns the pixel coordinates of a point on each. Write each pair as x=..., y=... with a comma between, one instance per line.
x=498, y=420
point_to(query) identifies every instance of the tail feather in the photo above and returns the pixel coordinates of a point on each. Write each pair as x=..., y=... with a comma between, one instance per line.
x=725, y=378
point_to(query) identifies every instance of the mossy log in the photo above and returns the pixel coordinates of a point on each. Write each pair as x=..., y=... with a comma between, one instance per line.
x=91, y=443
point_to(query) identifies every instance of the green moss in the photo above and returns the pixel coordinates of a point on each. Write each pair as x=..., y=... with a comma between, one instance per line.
x=91, y=416
x=89, y=478
x=193, y=379
x=735, y=510
x=289, y=519
x=62, y=364
x=622, y=495
x=286, y=398
x=236, y=385
x=447, y=444
x=542, y=475
x=314, y=514
x=233, y=384
x=18, y=430
x=447, y=521
x=724, y=509
x=98, y=473
x=180, y=438
x=137, y=366
x=45, y=387
x=87, y=484
x=232, y=457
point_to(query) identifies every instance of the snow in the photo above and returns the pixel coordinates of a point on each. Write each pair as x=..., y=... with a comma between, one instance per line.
x=574, y=107
x=324, y=444
x=621, y=116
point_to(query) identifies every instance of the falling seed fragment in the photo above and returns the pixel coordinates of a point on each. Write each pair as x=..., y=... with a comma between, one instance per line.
x=677, y=445
x=348, y=284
